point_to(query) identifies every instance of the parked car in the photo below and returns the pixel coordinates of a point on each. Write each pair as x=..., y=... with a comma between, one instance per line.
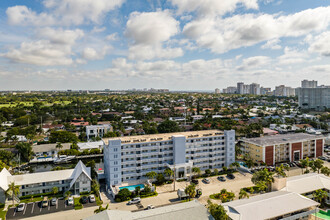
x=70, y=201
x=150, y=207
x=44, y=202
x=134, y=200
x=20, y=207
x=84, y=199
x=53, y=201
x=194, y=181
x=221, y=178
x=230, y=176
x=207, y=180
x=198, y=193
x=91, y=198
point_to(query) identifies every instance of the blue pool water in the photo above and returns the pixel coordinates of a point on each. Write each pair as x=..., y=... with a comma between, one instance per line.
x=132, y=188
x=242, y=163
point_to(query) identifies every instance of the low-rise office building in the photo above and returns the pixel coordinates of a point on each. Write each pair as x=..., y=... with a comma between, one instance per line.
x=128, y=159
x=283, y=148
x=76, y=180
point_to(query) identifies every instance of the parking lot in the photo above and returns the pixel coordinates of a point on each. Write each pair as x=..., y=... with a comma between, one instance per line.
x=34, y=209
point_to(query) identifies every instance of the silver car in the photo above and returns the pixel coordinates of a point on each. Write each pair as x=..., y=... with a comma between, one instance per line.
x=135, y=200
x=20, y=207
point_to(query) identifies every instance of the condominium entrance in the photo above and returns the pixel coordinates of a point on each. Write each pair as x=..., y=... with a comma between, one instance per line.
x=296, y=156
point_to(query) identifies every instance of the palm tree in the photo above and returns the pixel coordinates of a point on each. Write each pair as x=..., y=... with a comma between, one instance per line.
x=169, y=172
x=196, y=170
x=243, y=194
x=235, y=165
x=59, y=146
x=101, y=209
x=319, y=195
x=12, y=190
x=280, y=171
x=151, y=175
x=264, y=176
x=191, y=191
x=55, y=190
x=217, y=211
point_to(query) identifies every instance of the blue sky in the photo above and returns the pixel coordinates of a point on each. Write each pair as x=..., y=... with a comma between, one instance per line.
x=175, y=44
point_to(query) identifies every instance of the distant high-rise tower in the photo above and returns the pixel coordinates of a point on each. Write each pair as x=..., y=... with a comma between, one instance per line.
x=240, y=87
x=217, y=91
x=308, y=84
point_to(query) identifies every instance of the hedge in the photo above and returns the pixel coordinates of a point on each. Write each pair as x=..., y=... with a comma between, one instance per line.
x=41, y=194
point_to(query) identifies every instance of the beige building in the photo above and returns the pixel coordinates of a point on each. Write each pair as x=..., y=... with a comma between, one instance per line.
x=283, y=148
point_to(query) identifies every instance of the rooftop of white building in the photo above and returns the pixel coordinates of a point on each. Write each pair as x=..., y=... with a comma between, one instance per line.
x=307, y=183
x=165, y=136
x=50, y=176
x=181, y=211
x=268, y=205
x=281, y=139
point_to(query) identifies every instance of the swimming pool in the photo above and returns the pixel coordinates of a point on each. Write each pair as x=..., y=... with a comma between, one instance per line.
x=242, y=163
x=132, y=188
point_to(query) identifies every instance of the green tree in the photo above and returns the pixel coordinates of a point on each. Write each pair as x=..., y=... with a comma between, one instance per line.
x=263, y=176
x=59, y=146
x=137, y=190
x=95, y=187
x=243, y=194
x=13, y=190
x=151, y=175
x=196, y=170
x=62, y=137
x=160, y=178
x=101, y=209
x=225, y=169
x=216, y=171
x=124, y=194
x=235, y=165
x=190, y=190
x=168, y=126
x=208, y=172
x=217, y=211
x=318, y=164
x=319, y=195
x=169, y=172
x=280, y=171
x=304, y=164
x=55, y=190
x=325, y=171
x=226, y=196
x=25, y=149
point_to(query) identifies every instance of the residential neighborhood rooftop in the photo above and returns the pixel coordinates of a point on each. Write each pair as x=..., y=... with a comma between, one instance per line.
x=282, y=138
x=165, y=136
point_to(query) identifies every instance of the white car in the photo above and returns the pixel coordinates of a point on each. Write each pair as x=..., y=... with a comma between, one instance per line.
x=206, y=180
x=20, y=207
x=70, y=201
x=91, y=198
x=150, y=207
x=135, y=200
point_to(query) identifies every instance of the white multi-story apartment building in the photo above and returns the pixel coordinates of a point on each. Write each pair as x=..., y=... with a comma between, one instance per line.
x=93, y=131
x=283, y=90
x=128, y=159
x=308, y=83
x=314, y=98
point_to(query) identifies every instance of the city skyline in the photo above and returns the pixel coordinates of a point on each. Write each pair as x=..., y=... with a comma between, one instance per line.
x=174, y=44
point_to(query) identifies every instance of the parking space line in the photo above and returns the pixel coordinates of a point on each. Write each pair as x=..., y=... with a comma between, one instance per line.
x=56, y=204
x=40, y=206
x=48, y=205
x=14, y=212
x=32, y=207
x=25, y=207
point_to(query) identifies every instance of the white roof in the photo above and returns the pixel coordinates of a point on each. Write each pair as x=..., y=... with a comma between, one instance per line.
x=78, y=170
x=307, y=183
x=182, y=211
x=50, y=176
x=4, y=179
x=90, y=145
x=267, y=206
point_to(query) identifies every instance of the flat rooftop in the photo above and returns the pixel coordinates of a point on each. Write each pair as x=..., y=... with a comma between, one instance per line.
x=281, y=139
x=165, y=136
